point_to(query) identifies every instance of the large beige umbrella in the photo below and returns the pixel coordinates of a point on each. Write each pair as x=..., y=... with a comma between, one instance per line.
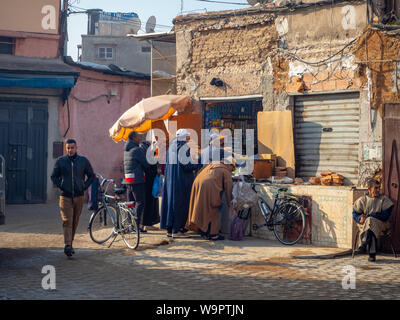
x=140, y=117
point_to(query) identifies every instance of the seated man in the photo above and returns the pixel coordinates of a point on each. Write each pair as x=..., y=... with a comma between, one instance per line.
x=371, y=212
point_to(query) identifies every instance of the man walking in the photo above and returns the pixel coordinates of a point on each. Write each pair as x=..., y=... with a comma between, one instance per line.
x=135, y=164
x=69, y=176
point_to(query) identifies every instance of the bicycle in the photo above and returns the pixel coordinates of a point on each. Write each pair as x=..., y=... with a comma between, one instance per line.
x=114, y=218
x=287, y=217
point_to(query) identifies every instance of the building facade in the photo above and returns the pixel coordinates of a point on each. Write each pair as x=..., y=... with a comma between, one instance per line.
x=101, y=95
x=107, y=43
x=334, y=66
x=34, y=82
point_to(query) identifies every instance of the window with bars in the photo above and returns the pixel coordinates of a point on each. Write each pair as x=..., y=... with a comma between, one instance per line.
x=6, y=45
x=105, y=53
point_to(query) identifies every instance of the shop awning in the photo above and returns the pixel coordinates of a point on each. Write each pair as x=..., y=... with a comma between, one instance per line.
x=33, y=72
x=36, y=81
x=232, y=98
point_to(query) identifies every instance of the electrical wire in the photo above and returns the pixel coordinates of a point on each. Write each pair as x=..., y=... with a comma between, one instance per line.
x=128, y=21
x=225, y=2
x=322, y=62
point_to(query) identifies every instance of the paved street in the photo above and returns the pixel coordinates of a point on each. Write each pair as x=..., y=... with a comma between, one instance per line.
x=184, y=269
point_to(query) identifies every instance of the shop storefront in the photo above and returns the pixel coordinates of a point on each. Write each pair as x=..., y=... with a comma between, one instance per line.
x=233, y=113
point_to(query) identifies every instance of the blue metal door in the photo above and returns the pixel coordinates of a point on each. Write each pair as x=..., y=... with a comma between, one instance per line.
x=23, y=142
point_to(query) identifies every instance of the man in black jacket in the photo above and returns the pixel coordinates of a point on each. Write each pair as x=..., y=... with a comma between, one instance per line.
x=69, y=176
x=135, y=164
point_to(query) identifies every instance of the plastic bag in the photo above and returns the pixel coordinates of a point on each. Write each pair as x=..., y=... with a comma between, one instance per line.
x=157, y=186
x=243, y=196
x=237, y=229
x=93, y=192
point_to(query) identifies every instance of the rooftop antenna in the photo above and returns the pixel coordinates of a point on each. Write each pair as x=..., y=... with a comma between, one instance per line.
x=151, y=24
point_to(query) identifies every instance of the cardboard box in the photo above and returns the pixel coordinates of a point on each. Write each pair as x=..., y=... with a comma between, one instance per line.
x=262, y=169
x=271, y=157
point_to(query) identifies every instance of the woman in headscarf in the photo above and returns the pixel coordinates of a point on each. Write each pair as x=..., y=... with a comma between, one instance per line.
x=179, y=176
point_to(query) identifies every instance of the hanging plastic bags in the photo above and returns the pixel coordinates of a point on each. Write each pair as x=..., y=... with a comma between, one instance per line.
x=158, y=186
x=237, y=229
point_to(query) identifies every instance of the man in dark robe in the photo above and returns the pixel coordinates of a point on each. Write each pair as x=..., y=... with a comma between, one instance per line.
x=179, y=177
x=151, y=215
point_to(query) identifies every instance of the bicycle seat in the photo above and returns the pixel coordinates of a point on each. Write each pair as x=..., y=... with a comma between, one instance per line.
x=119, y=190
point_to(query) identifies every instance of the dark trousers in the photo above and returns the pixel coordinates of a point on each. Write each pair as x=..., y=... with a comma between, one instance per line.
x=369, y=242
x=137, y=193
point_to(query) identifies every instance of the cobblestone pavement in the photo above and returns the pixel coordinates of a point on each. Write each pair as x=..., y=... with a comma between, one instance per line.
x=183, y=269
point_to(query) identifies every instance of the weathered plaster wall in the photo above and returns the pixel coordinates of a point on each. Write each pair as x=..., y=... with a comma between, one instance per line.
x=90, y=121
x=280, y=54
x=231, y=49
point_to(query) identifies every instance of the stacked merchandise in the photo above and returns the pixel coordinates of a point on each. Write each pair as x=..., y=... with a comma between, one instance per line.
x=233, y=115
x=280, y=172
x=328, y=178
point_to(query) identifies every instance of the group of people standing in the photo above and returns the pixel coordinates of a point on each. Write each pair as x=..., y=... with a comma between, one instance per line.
x=192, y=192
x=189, y=202
x=191, y=197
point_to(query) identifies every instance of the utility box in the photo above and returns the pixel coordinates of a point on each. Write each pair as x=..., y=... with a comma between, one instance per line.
x=2, y=190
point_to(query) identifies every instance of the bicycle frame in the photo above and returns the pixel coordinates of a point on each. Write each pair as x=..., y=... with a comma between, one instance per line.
x=266, y=211
x=103, y=199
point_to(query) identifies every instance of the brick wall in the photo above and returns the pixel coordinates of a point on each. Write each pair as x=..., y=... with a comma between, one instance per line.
x=231, y=49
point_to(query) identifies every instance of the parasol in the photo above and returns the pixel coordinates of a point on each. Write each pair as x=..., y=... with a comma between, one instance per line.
x=140, y=117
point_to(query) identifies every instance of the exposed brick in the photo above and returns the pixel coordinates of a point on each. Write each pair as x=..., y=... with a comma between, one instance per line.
x=329, y=85
x=292, y=87
x=316, y=87
x=342, y=84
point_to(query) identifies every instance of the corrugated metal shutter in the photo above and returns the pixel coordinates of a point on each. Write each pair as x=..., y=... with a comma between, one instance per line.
x=327, y=135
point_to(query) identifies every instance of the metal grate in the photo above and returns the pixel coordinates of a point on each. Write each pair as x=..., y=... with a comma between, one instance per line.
x=327, y=135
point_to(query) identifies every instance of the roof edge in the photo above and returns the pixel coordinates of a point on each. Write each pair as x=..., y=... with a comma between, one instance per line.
x=290, y=8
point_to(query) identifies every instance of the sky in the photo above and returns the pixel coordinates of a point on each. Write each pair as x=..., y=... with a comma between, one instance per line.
x=164, y=11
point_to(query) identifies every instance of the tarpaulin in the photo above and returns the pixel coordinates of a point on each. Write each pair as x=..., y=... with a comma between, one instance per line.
x=36, y=81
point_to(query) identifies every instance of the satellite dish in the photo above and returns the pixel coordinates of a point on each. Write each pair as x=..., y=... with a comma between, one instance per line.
x=134, y=25
x=151, y=24
x=252, y=2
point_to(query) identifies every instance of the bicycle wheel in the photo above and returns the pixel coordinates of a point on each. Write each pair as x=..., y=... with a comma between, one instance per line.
x=289, y=222
x=101, y=227
x=129, y=229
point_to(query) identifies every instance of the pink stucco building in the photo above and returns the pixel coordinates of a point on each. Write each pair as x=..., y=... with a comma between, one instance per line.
x=100, y=96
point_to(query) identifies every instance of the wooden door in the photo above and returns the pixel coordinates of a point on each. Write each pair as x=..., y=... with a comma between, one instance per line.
x=391, y=167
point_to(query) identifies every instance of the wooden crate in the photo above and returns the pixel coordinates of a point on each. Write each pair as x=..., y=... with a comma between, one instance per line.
x=262, y=169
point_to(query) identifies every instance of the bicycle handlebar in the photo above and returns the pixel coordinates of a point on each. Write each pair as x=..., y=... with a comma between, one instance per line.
x=104, y=180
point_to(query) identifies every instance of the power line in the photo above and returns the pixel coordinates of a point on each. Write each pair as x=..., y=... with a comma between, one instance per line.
x=128, y=21
x=224, y=2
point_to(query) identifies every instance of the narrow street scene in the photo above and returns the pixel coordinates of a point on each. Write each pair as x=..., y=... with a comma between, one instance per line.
x=200, y=150
x=181, y=269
